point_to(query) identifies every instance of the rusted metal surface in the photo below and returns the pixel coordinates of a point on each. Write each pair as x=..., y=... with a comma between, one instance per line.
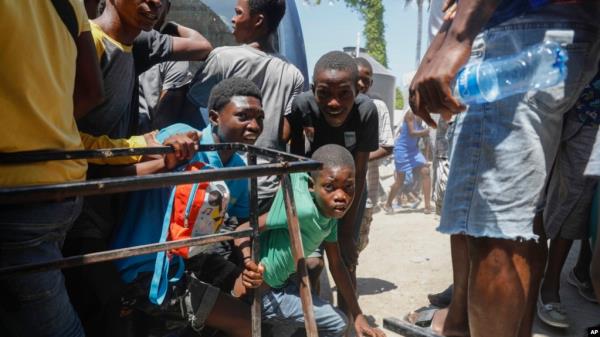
x=298, y=252
x=110, y=255
x=257, y=296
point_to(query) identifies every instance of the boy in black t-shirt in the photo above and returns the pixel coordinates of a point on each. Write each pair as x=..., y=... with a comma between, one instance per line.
x=334, y=113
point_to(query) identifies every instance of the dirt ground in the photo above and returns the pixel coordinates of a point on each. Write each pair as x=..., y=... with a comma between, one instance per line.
x=407, y=259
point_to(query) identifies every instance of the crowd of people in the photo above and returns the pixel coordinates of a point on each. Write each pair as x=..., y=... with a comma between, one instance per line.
x=116, y=74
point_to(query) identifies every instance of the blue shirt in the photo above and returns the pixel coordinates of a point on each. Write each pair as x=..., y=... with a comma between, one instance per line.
x=509, y=9
x=143, y=220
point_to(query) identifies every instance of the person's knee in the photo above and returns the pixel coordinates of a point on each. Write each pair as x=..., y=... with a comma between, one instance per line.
x=338, y=325
x=490, y=258
x=315, y=265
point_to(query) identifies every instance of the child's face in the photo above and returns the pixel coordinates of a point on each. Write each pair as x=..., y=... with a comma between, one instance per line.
x=240, y=120
x=139, y=14
x=334, y=191
x=335, y=92
x=365, y=79
x=244, y=23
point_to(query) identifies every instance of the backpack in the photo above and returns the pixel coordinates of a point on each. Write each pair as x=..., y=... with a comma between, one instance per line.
x=193, y=210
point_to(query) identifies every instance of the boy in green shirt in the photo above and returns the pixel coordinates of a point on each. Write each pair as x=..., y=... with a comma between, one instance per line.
x=318, y=214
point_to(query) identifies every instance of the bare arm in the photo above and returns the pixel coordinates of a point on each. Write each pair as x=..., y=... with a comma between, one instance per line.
x=346, y=225
x=190, y=45
x=381, y=152
x=294, y=132
x=344, y=285
x=170, y=107
x=88, y=92
x=409, y=119
x=430, y=90
x=244, y=244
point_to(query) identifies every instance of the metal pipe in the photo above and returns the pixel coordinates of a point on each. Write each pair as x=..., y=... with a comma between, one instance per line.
x=115, y=254
x=256, y=310
x=49, y=155
x=298, y=253
x=30, y=194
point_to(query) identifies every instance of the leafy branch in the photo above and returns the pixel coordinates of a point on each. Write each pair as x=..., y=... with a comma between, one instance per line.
x=371, y=12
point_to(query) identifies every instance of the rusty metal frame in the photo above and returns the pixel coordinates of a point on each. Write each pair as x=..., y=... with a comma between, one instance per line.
x=283, y=164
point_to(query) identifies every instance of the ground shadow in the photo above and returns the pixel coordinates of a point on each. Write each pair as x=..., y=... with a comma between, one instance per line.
x=371, y=286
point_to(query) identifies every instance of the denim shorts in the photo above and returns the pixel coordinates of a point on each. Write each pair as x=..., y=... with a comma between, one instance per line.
x=501, y=152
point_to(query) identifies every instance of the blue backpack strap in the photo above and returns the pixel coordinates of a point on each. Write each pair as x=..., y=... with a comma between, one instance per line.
x=158, y=287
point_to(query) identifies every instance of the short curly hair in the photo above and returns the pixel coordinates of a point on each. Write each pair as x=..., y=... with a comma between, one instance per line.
x=274, y=10
x=364, y=63
x=221, y=94
x=337, y=60
x=333, y=156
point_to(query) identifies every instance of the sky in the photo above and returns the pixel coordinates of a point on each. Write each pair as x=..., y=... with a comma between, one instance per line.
x=332, y=26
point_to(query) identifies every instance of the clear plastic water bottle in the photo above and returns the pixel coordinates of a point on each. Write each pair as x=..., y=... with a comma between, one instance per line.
x=537, y=67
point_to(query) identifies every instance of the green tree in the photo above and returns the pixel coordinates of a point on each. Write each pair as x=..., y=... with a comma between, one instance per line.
x=371, y=12
x=399, y=103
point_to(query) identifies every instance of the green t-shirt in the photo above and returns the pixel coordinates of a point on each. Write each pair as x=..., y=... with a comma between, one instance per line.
x=276, y=251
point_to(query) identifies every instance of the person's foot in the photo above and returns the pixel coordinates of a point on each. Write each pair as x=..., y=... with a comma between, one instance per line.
x=388, y=209
x=427, y=210
x=442, y=299
x=552, y=313
x=416, y=204
x=584, y=288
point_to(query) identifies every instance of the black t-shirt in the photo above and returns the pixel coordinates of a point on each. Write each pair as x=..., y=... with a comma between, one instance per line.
x=359, y=133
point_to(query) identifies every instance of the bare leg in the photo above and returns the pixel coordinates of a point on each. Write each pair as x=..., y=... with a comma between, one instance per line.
x=582, y=268
x=457, y=320
x=398, y=182
x=540, y=254
x=559, y=250
x=502, y=277
x=426, y=182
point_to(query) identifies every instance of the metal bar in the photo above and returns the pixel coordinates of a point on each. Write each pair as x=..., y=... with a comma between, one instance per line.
x=126, y=184
x=257, y=296
x=109, y=255
x=275, y=154
x=406, y=329
x=37, y=156
x=48, y=155
x=298, y=252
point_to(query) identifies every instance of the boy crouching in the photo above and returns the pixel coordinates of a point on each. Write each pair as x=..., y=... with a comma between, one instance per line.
x=318, y=213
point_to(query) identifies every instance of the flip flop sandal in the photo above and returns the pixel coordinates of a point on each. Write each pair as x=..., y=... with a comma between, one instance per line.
x=442, y=299
x=387, y=209
x=421, y=317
